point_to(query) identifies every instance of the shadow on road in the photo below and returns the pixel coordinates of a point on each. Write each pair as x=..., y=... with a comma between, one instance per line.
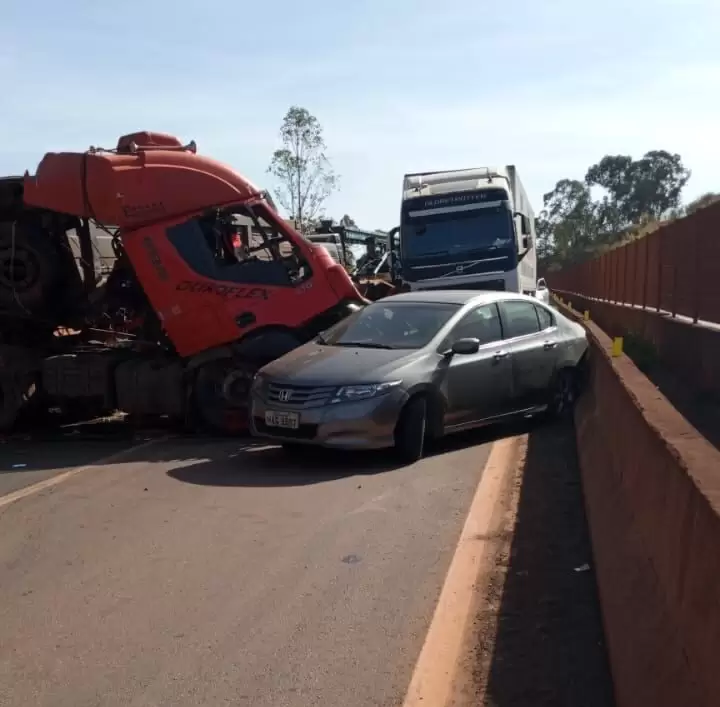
x=261, y=464
x=548, y=648
x=223, y=461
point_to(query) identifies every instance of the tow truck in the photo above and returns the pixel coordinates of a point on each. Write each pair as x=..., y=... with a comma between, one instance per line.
x=207, y=285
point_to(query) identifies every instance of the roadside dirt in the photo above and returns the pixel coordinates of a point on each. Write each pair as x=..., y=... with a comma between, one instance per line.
x=537, y=639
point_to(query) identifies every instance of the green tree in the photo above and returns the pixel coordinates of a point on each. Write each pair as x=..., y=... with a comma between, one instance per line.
x=303, y=174
x=701, y=202
x=637, y=189
x=568, y=224
x=657, y=183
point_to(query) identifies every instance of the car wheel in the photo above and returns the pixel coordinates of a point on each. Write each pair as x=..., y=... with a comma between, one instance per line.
x=563, y=394
x=410, y=430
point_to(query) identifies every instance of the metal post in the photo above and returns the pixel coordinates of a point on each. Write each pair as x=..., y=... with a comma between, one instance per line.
x=626, y=265
x=673, y=292
x=696, y=278
x=660, y=238
x=647, y=271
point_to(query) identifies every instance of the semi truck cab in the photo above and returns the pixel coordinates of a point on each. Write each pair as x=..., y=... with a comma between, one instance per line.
x=468, y=229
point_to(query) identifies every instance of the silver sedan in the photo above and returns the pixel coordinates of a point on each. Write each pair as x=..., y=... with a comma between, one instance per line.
x=421, y=365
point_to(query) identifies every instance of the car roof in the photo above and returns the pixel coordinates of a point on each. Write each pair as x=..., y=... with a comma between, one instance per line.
x=461, y=297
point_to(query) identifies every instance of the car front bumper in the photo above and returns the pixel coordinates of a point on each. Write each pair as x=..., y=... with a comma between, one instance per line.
x=364, y=424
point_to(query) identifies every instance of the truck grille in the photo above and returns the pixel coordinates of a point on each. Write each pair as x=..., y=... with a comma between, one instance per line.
x=298, y=396
x=486, y=285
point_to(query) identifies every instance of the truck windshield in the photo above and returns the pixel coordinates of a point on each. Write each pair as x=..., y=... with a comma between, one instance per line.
x=457, y=232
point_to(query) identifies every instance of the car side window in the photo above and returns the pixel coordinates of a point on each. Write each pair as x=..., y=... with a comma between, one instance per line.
x=482, y=323
x=545, y=317
x=520, y=318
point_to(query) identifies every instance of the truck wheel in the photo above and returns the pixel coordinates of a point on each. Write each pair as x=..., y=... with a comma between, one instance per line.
x=28, y=267
x=410, y=430
x=221, y=396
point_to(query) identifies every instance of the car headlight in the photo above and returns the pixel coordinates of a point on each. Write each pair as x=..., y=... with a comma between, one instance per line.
x=349, y=393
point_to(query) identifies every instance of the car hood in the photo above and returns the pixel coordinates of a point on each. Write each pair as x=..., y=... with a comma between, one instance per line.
x=314, y=364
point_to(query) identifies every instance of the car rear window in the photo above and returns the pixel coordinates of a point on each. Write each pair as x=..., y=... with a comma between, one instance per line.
x=545, y=318
x=519, y=318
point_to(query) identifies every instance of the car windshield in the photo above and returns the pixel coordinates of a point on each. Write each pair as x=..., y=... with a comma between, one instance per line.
x=462, y=231
x=391, y=325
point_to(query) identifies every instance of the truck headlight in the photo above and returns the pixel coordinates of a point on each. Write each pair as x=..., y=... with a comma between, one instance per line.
x=350, y=393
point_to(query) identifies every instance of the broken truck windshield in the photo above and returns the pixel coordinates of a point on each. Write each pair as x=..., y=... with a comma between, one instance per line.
x=240, y=244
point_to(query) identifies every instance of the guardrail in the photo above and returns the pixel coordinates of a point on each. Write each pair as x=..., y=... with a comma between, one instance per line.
x=675, y=269
x=651, y=484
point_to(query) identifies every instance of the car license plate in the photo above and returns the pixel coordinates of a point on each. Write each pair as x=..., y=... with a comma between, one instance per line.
x=288, y=420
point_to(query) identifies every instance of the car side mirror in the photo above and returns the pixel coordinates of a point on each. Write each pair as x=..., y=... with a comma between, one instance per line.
x=466, y=346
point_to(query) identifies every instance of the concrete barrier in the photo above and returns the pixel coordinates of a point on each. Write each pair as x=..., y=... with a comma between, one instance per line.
x=651, y=484
x=691, y=351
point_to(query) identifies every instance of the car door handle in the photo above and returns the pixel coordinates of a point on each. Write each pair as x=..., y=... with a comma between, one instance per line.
x=500, y=355
x=549, y=345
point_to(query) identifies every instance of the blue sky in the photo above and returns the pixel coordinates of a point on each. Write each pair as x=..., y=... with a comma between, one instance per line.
x=398, y=86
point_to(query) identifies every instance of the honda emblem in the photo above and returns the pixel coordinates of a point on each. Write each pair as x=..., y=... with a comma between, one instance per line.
x=284, y=395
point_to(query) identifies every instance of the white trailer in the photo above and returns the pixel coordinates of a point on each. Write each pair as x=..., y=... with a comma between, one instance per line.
x=467, y=229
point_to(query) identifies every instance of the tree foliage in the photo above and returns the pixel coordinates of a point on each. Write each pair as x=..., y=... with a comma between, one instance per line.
x=304, y=177
x=639, y=189
x=580, y=218
x=701, y=202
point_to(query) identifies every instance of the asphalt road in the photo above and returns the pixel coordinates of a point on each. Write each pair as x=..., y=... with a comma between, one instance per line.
x=202, y=572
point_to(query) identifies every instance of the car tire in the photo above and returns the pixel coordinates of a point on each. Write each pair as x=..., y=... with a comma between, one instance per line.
x=563, y=394
x=411, y=429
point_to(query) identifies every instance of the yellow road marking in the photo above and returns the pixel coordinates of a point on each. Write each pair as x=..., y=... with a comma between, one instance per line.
x=434, y=673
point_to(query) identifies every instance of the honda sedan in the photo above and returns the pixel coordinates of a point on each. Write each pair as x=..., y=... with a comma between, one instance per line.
x=420, y=365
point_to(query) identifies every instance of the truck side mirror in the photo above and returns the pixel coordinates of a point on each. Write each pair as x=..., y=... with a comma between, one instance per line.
x=524, y=224
x=527, y=242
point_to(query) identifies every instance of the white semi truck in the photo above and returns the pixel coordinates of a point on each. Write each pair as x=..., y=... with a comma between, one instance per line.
x=467, y=229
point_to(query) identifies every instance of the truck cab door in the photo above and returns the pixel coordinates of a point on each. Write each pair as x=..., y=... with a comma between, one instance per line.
x=208, y=294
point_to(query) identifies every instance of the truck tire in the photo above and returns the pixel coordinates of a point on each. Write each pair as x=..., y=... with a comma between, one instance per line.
x=10, y=403
x=221, y=396
x=28, y=268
